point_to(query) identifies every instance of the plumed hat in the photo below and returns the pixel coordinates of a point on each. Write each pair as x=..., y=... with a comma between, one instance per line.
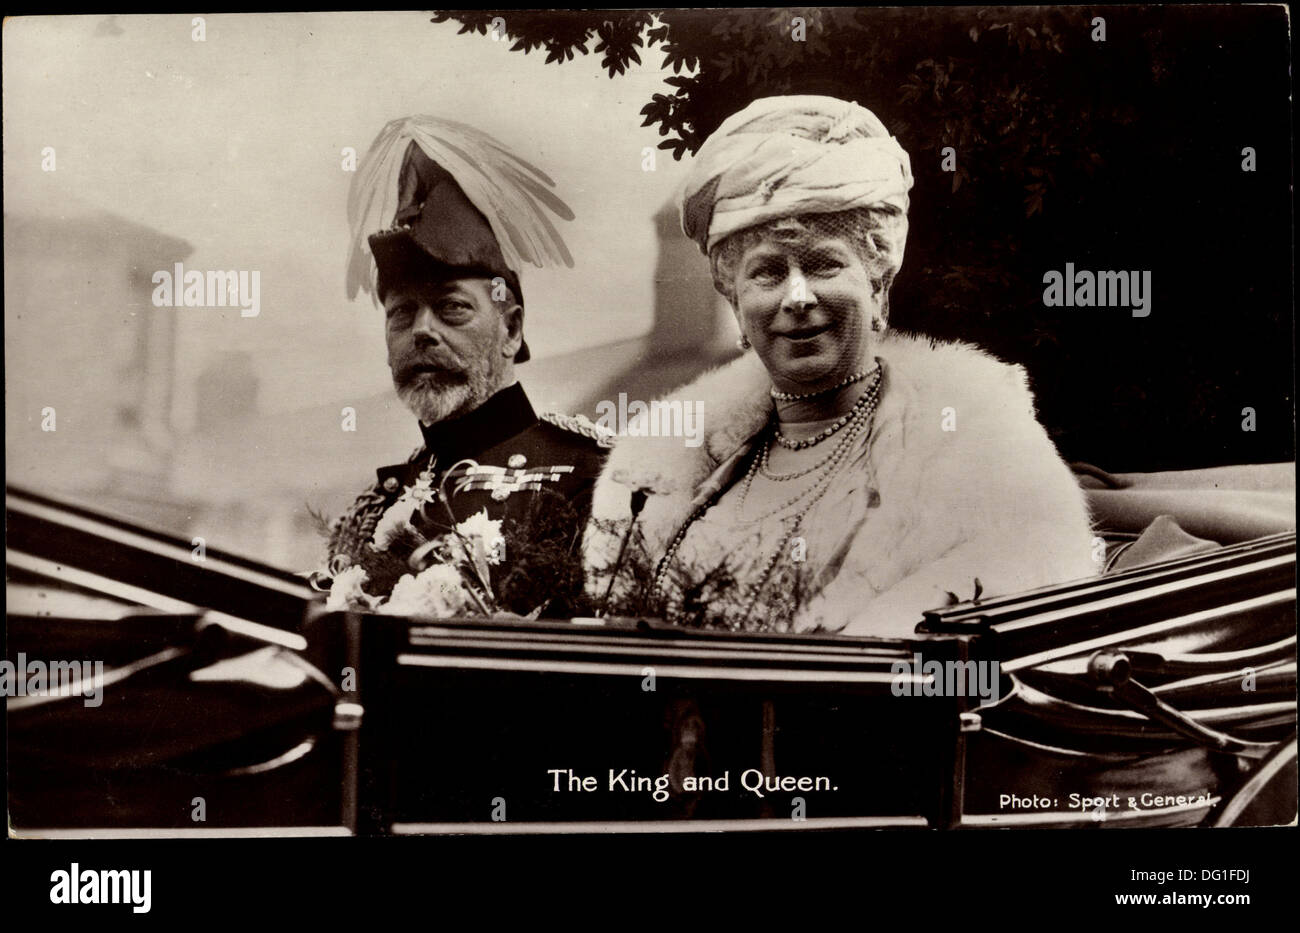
x=434, y=196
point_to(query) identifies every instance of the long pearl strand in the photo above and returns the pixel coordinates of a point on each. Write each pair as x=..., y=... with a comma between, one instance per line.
x=871, y=394
x=861, y=418
x=869, y=399
x=863, y=410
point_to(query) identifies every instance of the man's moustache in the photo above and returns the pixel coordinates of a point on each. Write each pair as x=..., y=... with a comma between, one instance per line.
x=409, y=372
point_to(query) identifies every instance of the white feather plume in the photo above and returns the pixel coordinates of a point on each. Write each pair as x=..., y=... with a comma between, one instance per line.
x=513, y=195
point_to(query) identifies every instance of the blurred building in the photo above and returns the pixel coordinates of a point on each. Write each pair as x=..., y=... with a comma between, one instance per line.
x=89, y=362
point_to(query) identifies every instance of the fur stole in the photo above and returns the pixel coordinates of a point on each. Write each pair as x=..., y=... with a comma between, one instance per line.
x=969, y=486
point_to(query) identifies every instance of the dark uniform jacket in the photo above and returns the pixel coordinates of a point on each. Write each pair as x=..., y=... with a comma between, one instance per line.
x=529, y=462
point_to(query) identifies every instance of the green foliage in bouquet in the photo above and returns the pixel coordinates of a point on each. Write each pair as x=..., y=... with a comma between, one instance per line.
x=545, y=561
x=695, y=595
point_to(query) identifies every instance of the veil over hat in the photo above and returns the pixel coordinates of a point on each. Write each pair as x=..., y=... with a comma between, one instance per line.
x=435, y=195
x=800, y=154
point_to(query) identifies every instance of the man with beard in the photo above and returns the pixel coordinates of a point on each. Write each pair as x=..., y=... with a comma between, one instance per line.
x=468, y=214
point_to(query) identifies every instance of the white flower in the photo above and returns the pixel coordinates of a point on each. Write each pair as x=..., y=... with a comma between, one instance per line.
x=423, y=490
x=398, y=517
x=395, y=520
x=643, y=480
x=346, y=592
x=484, y=536
x=436, y=591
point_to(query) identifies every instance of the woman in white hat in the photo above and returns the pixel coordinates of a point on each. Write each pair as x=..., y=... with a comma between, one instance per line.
x=850, y=477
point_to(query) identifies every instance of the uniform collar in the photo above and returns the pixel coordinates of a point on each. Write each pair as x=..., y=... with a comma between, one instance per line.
x=497, y=420
x=500, y=418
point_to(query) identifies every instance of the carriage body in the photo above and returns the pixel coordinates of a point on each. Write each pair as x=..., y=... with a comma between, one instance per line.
x=1158, y=696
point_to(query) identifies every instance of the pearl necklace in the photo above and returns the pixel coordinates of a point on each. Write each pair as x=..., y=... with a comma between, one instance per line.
x=861, y=422
x=866, y=400
x=766, y=473
x=822, y=486
x=799, y=397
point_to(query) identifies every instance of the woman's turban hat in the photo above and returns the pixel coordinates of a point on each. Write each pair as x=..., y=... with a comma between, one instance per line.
x=786, y=156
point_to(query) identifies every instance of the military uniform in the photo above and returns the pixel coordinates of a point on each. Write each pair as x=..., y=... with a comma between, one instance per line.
x=463, y=206
x=519, y=455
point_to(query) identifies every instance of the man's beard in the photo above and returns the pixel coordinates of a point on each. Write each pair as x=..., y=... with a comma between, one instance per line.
x=437, y=396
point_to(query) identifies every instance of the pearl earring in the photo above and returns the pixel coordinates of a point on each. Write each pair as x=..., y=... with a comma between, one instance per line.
x=743, y=342
x=877, y=325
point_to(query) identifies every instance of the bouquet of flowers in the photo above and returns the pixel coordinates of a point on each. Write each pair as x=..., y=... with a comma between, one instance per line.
x=422, y=561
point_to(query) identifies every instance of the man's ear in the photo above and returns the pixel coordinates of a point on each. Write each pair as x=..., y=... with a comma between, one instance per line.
x=512, y=319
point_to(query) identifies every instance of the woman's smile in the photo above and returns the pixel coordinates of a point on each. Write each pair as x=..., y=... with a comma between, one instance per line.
x=803, y=332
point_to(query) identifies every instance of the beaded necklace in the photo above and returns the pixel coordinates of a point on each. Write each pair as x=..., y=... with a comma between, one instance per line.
x=861, y=418
x=861, y=415
x=766, y=473
x=863, y=409
x=871, y=394
x=799, y=397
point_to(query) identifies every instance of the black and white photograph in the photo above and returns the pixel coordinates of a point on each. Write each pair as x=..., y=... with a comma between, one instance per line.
x=763, y=423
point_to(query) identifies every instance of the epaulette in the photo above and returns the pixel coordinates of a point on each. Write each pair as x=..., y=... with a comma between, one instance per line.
x=581, y=424
x=355, y=527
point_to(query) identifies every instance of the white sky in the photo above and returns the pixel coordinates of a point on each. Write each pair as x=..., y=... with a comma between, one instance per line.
x=234, y=144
